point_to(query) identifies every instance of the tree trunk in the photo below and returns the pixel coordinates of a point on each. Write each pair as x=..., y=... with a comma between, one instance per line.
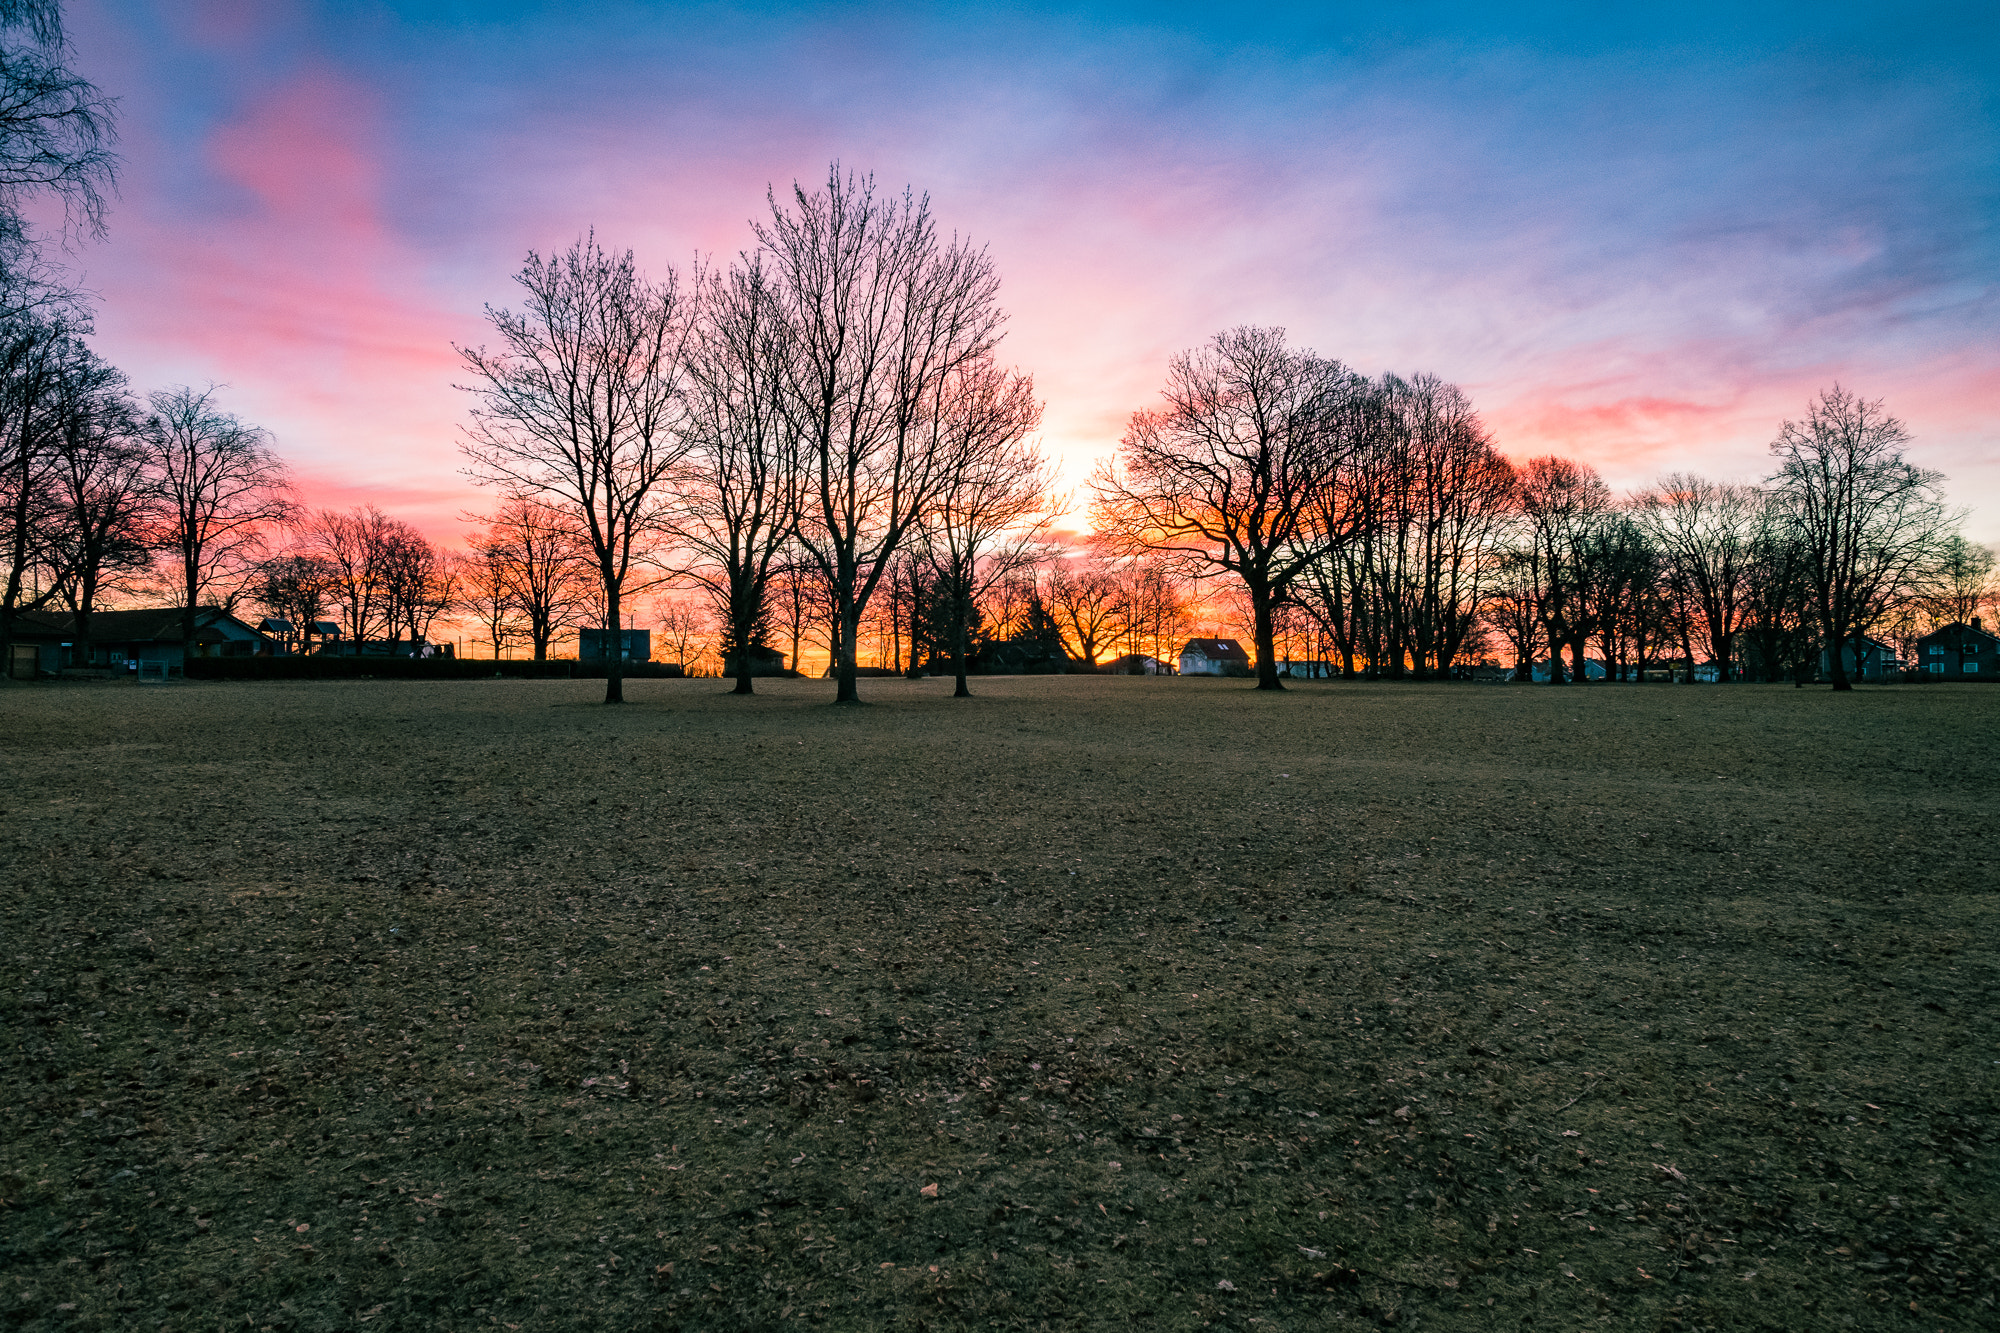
x=849, y=630
x=744, y=624
x=614, y=661
x=1578, y=672
x=1836, y=665
x=961, y=646
x=1267, y=660
x=190, y=583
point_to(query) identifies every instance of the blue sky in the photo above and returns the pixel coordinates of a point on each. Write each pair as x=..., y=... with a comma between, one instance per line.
x=1639, y=238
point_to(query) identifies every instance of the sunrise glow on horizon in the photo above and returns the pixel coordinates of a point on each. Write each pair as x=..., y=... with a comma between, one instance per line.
x=1641, y=242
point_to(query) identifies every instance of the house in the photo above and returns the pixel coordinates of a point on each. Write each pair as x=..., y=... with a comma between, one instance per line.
x=638, y=644
x=1306, y=668
x=154, y=634
x=1028, y=656
x=1592, y=669
x=764, y=661
x=1134, y=664
x=1214, y=657
x=1878, y=661
x=1959, y=651
x=34, y=647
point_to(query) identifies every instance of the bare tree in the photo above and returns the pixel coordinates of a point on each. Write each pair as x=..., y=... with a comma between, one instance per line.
x=221, y=487
x=1227, y=474
x=681, y=626
x=739, y=502
x=1084, y=597
x=1869, y=520
x=880, y=312
x=107, y=497
x=995, y=504
x=1562, y=503
x=420, y=584
x=37, y=358
x=296, y=588
x=1961, y=582
x=354, y=547
x=489, y=593
x=580, y=405
x=1513, y=608
x=545, y=564
x=56, y=128
x=1706, y=530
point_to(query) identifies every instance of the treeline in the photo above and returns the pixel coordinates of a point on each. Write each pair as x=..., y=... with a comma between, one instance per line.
x=817, y=444
x=1379, y=513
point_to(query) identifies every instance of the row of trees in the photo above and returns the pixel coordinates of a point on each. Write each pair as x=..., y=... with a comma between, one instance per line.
x=827, y=402
x=1381, y=510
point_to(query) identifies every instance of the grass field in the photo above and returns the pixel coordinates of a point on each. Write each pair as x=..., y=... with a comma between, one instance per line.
x=1086, y=1003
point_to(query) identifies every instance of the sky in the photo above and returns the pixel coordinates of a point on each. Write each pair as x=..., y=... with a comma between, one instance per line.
x=1640, y=236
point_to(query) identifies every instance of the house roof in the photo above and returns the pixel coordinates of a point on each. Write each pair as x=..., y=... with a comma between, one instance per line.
x=1215, y=649
x=152, y=624
x=1958, y=631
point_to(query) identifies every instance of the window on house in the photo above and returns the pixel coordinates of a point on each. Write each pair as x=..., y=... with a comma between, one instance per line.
x=1936, y=650
x=1971, y=667
x=1937, y=668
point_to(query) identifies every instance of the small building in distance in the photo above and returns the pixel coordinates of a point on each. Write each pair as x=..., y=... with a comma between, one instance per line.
x=1592, y=669
x=593, y=644
x=34, y=647
x=1214, y=657
x=124, y=639
x=1878, y=662
x=1959, y=651
x=1134, y=664
x=1306, y=668
x=764, y=661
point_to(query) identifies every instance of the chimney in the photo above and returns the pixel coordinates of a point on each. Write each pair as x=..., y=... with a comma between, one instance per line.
x=1976, y=625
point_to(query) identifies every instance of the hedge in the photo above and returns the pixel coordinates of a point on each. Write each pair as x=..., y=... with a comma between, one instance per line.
x=412, y=668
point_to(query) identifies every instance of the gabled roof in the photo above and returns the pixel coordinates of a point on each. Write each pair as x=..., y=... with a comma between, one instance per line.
x=152, y=624
x=1958, y=631
x=1215, y=650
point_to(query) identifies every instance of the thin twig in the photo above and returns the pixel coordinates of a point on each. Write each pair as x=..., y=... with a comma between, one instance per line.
x=1580, y=1096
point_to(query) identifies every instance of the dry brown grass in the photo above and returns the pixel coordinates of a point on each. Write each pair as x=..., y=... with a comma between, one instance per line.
x=436, y=1005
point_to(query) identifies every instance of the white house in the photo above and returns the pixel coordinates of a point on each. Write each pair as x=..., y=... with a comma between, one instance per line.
x=1214, y=657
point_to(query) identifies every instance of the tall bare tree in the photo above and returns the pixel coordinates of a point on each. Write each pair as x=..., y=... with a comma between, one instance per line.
x=1868, y=519
x=996, y=502
x=880, y=312
x=221, y=487
x=739, y=501
x=1226, y=475
x=580, y=405
x=107, y=496
x=51, y=388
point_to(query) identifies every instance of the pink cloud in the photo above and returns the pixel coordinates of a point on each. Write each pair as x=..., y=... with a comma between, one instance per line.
x=302, y=299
